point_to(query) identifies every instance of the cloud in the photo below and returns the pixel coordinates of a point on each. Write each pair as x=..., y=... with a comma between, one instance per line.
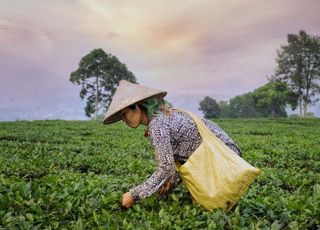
x=216, y=48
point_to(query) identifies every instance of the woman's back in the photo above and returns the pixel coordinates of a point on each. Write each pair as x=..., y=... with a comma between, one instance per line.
x=179, y=130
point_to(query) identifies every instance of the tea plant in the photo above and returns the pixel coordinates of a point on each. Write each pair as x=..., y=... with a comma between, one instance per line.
x=71, y=175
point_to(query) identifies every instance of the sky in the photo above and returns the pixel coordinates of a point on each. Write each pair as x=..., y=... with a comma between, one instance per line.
x=191, y=49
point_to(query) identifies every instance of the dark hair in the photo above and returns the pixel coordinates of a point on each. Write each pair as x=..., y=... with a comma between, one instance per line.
x=132, y=107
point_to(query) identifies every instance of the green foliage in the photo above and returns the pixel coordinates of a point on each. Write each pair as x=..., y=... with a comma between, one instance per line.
x=272, y=98
x=298, y=64
x=243, y=106
x=224, y=109
x=269, y=100
x=98, y=75
x=71, y=175
x=210, y=108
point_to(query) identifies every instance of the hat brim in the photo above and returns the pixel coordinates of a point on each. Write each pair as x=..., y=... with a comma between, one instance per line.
x=113, y=118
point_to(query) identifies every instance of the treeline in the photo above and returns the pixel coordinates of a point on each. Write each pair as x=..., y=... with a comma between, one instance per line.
x=295, y=83
x=269, y=100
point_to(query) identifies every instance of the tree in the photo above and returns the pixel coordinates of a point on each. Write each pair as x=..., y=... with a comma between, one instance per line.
x=272, y=99
x=209, y=107
x=269, y=100
x=224, y=109
x=298, y=64
x=99, y=74
x=243, y=106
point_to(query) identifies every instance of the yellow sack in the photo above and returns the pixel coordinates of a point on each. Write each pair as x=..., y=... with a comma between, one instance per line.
x=215, y=175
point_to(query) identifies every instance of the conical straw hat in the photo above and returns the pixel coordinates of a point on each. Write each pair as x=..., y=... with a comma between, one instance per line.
x=127, y=94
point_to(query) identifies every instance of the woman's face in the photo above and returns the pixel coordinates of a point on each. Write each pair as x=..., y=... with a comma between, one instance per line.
x=131, y=117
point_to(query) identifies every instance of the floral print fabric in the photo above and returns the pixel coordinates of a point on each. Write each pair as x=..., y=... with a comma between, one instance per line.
x=174, y=137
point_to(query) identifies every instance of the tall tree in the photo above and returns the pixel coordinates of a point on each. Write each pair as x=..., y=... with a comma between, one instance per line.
x=209, y=107
x=98, y=75
x=298, y=64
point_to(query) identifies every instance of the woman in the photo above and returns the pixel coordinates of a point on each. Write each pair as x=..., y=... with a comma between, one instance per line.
x=173, y=134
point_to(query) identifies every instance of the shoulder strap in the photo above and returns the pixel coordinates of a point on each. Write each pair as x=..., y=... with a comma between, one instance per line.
x=203, y=130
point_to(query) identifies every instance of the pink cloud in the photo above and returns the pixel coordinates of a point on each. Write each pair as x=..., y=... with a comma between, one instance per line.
x=221, y=48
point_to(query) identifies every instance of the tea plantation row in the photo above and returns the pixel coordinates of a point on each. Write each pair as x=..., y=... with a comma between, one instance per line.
x=71, y=175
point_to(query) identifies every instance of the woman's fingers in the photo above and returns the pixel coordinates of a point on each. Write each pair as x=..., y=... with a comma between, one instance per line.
x=161, y=189
x=165, y=187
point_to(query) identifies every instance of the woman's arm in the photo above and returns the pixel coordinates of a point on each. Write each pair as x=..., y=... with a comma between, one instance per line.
x=160, y=139
x=171, y=183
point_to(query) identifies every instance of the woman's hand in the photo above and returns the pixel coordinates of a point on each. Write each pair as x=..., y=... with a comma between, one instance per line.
x=165, y=188
x=127, y=200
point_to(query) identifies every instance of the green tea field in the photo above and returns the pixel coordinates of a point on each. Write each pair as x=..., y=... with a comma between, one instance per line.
x=72, y=174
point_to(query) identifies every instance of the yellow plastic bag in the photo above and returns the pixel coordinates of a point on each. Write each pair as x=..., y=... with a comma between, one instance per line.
x=215, y=175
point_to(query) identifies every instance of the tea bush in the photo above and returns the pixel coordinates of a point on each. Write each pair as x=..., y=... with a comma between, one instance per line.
x=72, y=174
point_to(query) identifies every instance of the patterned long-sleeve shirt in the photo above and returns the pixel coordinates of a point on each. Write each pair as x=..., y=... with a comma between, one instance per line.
x=174, y=137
